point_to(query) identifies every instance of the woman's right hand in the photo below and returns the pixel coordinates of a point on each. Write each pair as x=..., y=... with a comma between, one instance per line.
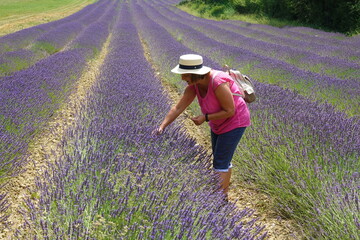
x=158, y=131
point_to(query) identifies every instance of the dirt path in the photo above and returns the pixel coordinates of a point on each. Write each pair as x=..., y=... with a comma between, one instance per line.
x=46, y=143
x=276, y=227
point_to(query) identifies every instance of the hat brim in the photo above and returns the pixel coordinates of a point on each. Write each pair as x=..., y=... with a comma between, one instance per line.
x=201, y=71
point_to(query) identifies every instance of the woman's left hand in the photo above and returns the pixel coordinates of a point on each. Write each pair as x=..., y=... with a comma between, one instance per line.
x=198, y=120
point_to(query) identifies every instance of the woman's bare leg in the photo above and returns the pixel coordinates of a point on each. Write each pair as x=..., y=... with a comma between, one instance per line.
x=225, y=181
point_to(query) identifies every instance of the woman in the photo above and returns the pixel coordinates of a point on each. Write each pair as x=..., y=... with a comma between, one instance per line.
x=227, y=114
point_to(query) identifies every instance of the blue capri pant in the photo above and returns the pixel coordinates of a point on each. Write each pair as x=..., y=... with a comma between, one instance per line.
x=223, y=147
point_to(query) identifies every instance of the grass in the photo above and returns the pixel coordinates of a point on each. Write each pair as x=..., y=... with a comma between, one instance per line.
x=222, y=13
x=10, y=9
x=45, y=46
x=16, y=65
x=19, y=14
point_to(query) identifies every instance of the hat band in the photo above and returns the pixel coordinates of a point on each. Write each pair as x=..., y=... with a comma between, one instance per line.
x=190, y=67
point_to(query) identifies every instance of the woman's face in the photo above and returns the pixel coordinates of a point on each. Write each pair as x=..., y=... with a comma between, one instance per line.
x=187, y=78
x=192, y=79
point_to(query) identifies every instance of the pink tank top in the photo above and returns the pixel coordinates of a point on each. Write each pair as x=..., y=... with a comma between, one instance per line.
x=210, y=104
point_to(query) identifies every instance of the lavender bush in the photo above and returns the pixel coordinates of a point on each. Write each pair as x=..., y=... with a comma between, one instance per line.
x=96, y=33
x=28, y=98
x=56, y=39
x=16, y=60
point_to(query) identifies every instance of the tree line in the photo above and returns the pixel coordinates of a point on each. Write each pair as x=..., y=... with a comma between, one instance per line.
x=333, y=15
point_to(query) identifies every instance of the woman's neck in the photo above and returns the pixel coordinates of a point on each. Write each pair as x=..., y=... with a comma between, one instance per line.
x=203, y=83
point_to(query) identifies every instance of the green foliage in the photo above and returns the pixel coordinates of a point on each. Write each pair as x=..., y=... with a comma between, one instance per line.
x=217, y=11
x=332, y=15
x=15, y=64
x=342, y=16
x=211, y=8
x=45, y=46
x=246, y=6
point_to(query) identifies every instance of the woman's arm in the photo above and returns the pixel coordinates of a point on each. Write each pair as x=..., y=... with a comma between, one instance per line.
x=225, y=97
x=175, y=111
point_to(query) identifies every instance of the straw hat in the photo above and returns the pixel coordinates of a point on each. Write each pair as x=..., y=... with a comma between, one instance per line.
x=191, y=63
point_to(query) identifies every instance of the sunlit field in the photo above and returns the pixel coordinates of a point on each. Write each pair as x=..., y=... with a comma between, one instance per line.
x=111, y=178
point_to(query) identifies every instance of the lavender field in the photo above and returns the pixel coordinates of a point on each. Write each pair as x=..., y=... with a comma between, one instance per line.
x=111, y=178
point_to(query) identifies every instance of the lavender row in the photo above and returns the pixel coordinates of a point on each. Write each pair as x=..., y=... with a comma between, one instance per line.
x=340, y=50
x=277, y=72
x=299, y=57
x=335, y=38
x=27, y=101
x=17, y=60
x=57, y=38
x=118, y=181
x=310, y=179
x=316, y=146
x=23, y=38
x=36, y=80
x=30, y=97
x=303, y=34
x=96, y=33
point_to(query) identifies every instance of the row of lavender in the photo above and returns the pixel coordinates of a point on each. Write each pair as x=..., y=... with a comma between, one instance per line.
x=22, y=49
x=29, y=98
x=25, y=37
x=305, y=154
x=115, y=180
x=320, y=43
x=339, y=42
x=317, y=86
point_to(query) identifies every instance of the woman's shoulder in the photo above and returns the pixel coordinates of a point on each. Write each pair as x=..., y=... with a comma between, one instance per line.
x=221, y=74
x=221, y=77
